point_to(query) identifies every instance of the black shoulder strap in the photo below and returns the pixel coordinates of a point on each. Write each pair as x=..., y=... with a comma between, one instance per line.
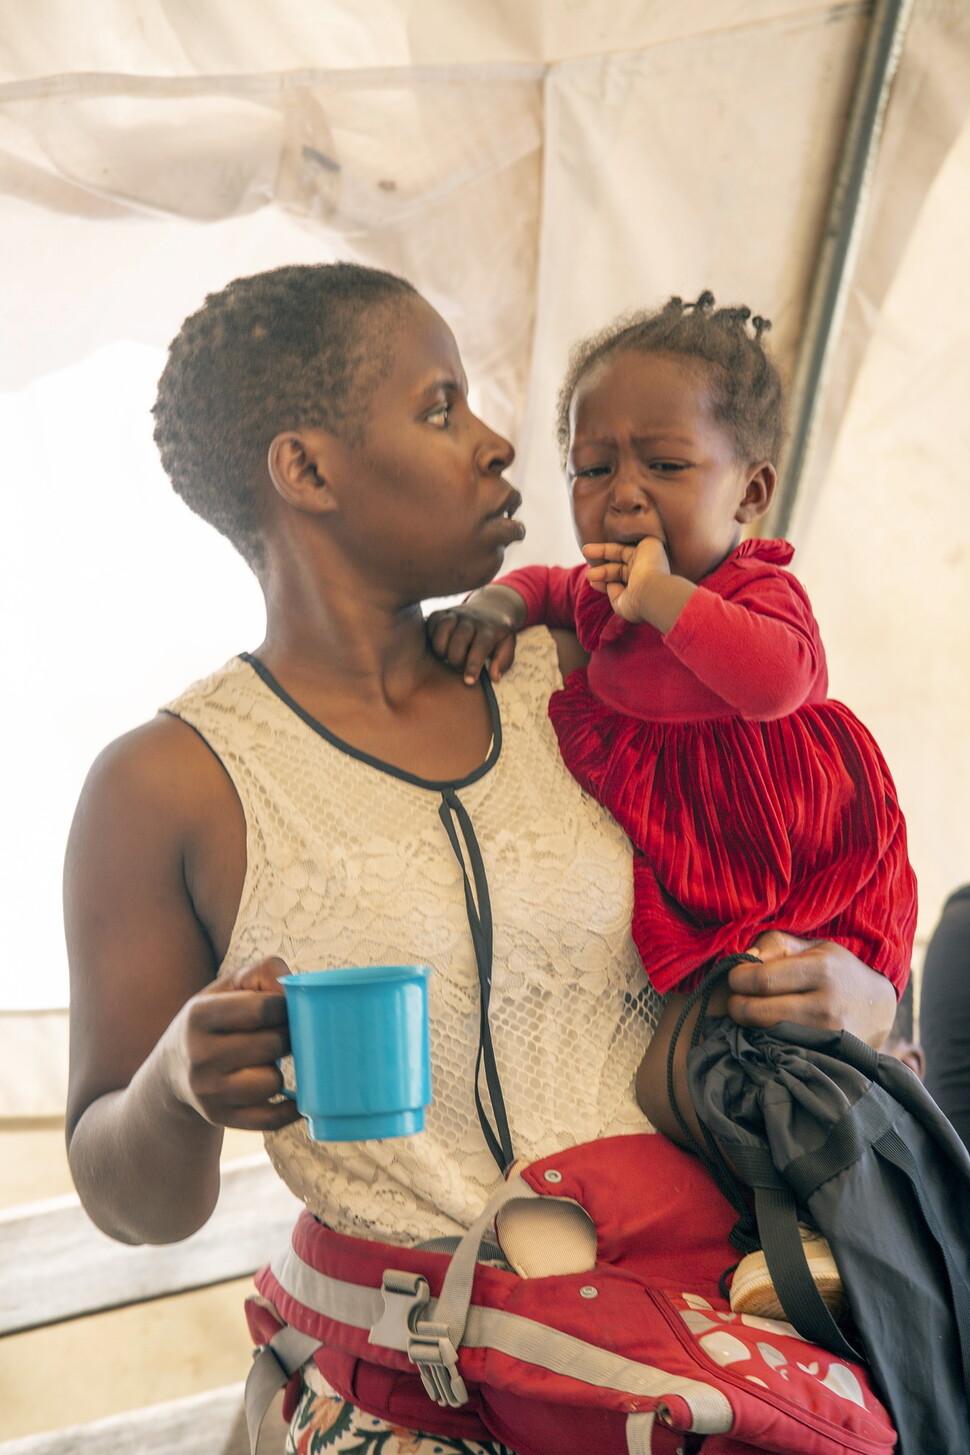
x=776, y=1212
x=875, y=1121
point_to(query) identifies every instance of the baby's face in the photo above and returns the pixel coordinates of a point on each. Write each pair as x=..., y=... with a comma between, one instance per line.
x=647, y=458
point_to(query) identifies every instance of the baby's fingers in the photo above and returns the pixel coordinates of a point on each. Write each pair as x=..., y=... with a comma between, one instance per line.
x=466, y=644
x=608, y=571
x=461, y=653
x=502, y=658
x=480, y=648
x=439, y=627
x=608, y=551
x=451, y=635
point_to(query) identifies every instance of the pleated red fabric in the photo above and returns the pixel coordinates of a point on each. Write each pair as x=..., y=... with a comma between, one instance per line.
x=746, y=813
x=741, y=827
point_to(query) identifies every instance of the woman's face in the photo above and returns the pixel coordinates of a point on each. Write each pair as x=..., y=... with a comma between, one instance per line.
x=426, y=508
x=648, y=458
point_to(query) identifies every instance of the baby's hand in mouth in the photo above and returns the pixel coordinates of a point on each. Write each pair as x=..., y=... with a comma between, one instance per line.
x=624, y=572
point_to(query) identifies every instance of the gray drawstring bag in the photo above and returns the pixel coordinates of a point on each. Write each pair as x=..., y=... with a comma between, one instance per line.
x=820, y=1127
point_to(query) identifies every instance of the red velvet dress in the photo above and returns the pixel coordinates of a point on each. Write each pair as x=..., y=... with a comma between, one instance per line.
x=753, y=801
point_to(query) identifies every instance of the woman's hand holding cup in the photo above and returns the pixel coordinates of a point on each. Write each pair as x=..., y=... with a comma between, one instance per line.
x=222, y=1050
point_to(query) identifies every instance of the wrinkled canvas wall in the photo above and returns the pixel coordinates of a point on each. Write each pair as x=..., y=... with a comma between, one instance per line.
x=886, y=550
x=238, y=37
x=433, y=176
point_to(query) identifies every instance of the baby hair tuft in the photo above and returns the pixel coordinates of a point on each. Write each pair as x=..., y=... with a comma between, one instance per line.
x=746, y=389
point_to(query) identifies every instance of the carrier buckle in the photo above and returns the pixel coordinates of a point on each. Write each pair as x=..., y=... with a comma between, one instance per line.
x=431, y=1349
x=405, y=1296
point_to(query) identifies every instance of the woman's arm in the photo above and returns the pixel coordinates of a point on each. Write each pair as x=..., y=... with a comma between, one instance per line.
x=162, y=1056
x=808, y=982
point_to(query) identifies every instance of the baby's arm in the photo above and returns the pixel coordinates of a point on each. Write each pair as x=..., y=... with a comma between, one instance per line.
x=483, y=627
x=757, y=647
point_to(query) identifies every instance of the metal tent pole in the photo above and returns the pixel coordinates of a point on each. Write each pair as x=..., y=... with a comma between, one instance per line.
x=839, y=245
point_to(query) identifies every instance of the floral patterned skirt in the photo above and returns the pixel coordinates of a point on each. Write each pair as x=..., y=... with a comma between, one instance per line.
x=326, y=1424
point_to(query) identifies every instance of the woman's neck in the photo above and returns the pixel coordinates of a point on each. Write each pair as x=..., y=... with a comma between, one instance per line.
x=338, y=631
x=360, y=650
x=356, y=658
x=377, y=686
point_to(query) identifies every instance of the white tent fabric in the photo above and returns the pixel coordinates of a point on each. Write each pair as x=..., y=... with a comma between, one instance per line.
x=535, y=168
x=886, y=552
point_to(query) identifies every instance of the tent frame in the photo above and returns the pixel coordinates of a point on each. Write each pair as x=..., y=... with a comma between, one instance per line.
x=839, y=247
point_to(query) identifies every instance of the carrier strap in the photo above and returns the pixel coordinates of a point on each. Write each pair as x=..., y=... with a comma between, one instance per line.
x=273, y=1365
x=790, y=1273
x=402, y=1315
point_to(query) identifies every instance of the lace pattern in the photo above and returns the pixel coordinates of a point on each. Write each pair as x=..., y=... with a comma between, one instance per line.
x=348, y=864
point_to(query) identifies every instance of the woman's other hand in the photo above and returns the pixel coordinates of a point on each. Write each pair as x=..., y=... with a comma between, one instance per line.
x=479, y=630
x=811, y=983
x=807, y=982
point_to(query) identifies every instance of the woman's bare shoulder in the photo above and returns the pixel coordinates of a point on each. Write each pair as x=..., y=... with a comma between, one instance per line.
x=159, y=798
x=163, y=760
x=154, y=865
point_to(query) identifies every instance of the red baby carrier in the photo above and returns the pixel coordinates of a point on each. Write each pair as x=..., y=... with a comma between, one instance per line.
x=620, y=1358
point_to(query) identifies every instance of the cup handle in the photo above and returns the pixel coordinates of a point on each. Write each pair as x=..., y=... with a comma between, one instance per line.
x=290, y=1095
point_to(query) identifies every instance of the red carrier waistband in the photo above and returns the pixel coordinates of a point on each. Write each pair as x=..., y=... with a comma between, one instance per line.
x=616, y=1358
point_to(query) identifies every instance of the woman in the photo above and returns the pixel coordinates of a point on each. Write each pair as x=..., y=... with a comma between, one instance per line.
x=296, y=808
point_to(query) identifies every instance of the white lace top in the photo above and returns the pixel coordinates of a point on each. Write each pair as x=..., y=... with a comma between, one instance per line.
x=349, y=863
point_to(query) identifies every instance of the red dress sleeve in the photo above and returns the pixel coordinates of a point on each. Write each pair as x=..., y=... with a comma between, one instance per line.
x=549, y=593
x=754, y=642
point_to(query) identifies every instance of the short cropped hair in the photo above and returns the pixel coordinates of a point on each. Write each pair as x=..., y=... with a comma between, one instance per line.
x=298, y=347
x=746, y=389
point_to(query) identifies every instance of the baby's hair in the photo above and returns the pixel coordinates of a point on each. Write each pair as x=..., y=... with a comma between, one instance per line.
x=298, y=347
x=746, y=391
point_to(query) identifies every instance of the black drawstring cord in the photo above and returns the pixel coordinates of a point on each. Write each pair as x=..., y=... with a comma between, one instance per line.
x=479, y=910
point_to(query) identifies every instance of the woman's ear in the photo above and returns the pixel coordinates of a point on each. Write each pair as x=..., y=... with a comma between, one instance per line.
x=299, y=464
x=757, y=493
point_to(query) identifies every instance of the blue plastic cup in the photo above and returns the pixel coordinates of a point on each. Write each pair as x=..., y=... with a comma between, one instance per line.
x=361, y=1051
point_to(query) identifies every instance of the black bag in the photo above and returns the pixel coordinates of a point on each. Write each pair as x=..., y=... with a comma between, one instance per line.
x=822, y=1127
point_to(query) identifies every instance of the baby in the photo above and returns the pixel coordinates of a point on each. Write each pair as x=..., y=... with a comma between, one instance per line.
x=702, y=720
